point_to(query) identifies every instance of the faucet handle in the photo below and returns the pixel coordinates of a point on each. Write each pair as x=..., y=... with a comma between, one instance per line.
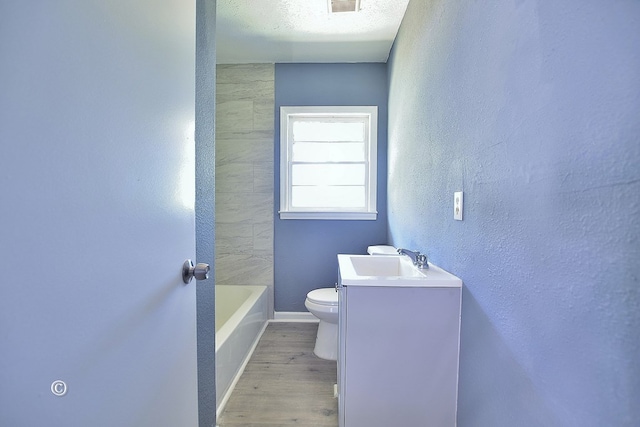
x=421, y=261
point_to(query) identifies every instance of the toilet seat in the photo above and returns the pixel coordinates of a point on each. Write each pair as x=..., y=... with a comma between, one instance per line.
x=324, y=296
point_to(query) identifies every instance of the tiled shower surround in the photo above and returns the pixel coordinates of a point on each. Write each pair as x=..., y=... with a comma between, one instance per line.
x=244, y=175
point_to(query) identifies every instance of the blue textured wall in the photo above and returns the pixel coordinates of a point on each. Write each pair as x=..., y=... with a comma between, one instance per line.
x=533, y=109
x=305, y=251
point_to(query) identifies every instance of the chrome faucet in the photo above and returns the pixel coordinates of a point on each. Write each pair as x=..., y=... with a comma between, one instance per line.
x=419, y=260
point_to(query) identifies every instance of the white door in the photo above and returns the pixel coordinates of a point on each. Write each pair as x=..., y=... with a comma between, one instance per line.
x=97, y=213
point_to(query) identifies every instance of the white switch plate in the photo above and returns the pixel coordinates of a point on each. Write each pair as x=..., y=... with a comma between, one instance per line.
x=457, y=205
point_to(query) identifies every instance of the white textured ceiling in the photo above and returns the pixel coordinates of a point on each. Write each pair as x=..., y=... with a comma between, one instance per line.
x=304, y=31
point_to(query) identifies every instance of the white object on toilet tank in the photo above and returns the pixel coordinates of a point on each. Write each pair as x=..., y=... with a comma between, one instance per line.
x=382, y=250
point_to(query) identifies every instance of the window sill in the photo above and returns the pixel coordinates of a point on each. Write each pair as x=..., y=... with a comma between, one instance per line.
x=367, y=216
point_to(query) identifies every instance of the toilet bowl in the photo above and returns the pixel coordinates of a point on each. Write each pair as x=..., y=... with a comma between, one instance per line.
x=323, y=303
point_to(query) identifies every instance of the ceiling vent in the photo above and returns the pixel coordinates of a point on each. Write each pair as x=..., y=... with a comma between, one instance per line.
x=337, y=6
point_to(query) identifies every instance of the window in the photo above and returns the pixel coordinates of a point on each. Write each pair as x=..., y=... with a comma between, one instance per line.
x=328, y=158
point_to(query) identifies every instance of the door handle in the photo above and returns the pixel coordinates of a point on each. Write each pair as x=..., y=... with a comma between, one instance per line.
x=200, y=271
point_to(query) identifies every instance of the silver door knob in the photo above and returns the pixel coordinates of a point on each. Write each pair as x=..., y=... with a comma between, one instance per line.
x=200, y=271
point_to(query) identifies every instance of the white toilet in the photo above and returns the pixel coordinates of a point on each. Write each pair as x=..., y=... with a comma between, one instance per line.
x=323, y=303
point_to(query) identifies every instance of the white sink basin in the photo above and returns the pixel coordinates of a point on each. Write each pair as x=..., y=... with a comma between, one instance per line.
x=368, y=265
x=385, y=270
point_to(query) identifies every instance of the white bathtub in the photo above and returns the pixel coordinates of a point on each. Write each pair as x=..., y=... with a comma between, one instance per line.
x=241, y=316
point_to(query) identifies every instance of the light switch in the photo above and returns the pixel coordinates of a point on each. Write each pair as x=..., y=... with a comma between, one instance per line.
x=457, y=205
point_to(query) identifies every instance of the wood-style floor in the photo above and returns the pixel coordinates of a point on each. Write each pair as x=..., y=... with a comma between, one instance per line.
x=284, y=384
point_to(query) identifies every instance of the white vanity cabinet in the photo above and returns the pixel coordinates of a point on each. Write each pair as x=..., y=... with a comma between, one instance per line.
x=398, y=354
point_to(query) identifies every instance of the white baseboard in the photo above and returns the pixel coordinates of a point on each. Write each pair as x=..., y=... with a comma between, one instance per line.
x=294, y=316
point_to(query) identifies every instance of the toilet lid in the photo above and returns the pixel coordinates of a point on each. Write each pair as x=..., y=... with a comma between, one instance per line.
x=326, y=296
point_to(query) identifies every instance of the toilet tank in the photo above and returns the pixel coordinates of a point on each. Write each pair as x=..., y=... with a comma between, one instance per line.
x=382, y=250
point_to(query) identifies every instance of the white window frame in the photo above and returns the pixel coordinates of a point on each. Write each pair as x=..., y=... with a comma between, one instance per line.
x=369, y=212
